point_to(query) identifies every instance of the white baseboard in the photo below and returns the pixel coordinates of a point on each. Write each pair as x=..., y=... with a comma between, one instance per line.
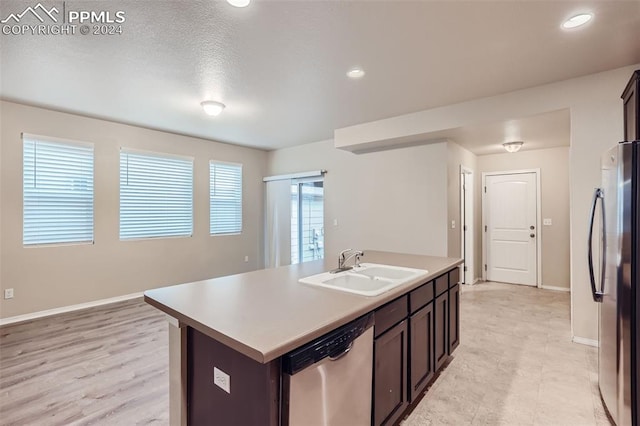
x=554, y=288
x=584, y=341
x=65, y=309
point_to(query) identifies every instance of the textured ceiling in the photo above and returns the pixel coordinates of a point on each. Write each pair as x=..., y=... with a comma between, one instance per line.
x=280, y=66
x=548, y=130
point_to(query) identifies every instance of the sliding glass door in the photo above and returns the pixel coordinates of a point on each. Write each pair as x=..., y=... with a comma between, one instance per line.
x=307, y=220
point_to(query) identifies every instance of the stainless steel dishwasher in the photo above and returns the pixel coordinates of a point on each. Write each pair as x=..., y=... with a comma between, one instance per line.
x=328, y=382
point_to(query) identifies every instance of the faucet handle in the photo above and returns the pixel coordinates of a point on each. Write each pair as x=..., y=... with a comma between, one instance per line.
x=358, y=255
x=343, y=252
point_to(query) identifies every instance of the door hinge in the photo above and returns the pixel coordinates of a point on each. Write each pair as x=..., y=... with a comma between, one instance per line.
x=485, y=228
x=465, y=269
x=485, y=267
x=485, y=189
x=464, y=228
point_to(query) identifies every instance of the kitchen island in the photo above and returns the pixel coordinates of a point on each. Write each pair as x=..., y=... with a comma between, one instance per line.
x=247, y=322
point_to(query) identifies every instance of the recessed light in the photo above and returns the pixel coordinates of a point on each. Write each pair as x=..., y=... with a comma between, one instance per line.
x=355, y=73
x=212, y=107
x=576, y=21
x=239, y=3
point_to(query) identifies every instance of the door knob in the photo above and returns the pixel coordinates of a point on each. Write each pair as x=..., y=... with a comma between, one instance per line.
x=532, y=227
x=532, y=235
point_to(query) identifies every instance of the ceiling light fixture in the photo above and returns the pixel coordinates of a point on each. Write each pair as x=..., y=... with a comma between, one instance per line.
x=577, y=21
x=239, y=3
x=355, y=73
x=212, y=107
x=513, y=146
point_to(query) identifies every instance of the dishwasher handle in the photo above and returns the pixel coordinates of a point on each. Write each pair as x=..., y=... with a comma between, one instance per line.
x=342, y=353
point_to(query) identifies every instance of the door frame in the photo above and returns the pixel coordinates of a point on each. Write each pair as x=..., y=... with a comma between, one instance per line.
x=483, y=190
x=467, y=212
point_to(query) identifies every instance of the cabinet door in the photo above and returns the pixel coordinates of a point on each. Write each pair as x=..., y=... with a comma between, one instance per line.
x=390, y=375
x=421, y=365
x=454, y=318
x=441, y=324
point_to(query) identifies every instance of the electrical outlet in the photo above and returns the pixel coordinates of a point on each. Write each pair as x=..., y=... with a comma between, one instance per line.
x=547, y=222
x=453, y=224
x=246, y=258
x=335, y=222
x=8, y=293
x=222, y=380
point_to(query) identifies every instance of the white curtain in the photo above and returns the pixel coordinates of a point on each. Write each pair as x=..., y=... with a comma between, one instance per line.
x=277, y=250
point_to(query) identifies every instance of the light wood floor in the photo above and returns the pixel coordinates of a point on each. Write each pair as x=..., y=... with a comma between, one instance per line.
x=106, y=366
x=109, y=366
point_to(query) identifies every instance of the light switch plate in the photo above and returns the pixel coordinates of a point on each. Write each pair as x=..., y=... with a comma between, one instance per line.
x=221, y=380
x=547, y=222
x=8, y=293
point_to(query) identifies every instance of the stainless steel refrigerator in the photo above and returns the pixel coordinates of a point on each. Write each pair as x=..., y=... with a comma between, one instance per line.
x=614, y=234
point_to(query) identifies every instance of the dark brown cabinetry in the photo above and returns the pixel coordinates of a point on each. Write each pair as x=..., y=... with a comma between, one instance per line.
x=414, y=336
x=390, y=375
x=631, y=100
x=422, y=367
x=441, y=334
x=454, y=318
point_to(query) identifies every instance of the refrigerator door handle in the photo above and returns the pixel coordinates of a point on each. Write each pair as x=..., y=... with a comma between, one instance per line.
x=598, y=194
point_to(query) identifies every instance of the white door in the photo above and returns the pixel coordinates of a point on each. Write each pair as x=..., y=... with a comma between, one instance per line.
x=511, y=219
x=466, y=212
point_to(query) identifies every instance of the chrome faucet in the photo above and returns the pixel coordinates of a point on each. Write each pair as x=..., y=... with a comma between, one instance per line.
x=342, y=259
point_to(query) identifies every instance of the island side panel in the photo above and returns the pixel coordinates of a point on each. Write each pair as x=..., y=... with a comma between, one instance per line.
x=177, y=373
x=254, y=388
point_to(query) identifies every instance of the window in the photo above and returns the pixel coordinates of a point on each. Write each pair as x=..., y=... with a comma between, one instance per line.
x=156, y=195
x=57, y=185
x=307, y=220
x=225, y=198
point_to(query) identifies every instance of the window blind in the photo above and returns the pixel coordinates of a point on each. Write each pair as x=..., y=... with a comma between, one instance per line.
x=57, y=185
x=225, y=198
x=156, y=195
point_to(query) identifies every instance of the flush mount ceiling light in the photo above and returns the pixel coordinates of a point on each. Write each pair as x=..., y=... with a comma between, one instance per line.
x=212, y=107
x=239, y=3
x=577, y=21
x=513, y=146
x=355, y=73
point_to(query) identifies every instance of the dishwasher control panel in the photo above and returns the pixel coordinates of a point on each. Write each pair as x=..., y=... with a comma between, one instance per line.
x=332, y=344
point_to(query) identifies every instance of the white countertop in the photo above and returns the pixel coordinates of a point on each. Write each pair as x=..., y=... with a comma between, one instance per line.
x=267, y=313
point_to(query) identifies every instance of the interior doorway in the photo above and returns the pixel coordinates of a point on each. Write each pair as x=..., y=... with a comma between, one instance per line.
x=466, y=222
x=511, y=225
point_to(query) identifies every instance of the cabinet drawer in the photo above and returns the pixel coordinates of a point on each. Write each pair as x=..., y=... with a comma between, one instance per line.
x=421, y=296
x=454, y=277
x=442, y=284
x=390, y=314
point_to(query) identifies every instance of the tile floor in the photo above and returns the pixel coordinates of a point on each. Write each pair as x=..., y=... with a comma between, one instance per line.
x=516, y=364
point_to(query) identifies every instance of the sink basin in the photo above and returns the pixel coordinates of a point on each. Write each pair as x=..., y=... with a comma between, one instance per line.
x=368, y=279
x=386, y=272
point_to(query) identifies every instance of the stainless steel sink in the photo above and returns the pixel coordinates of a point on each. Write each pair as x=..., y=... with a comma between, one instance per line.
x=367, y=279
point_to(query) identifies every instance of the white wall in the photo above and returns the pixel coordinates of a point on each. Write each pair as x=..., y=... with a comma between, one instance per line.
x=50, y=277
x=457, y=156
x=554, y=197
x=391, y=200
x=596, y=124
